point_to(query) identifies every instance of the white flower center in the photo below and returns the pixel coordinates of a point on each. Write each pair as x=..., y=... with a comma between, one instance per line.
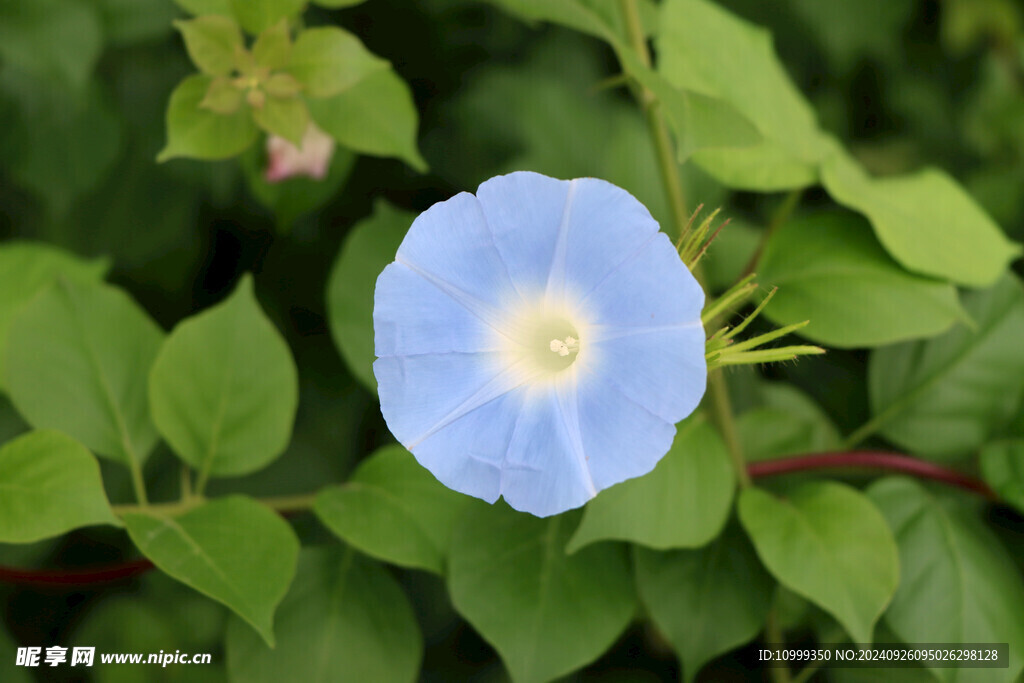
x=543, y=341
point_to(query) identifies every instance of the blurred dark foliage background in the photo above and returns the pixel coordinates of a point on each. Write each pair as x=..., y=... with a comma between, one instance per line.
x=902, y=82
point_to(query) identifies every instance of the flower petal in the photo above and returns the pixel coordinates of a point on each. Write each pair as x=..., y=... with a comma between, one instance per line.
x=467, y=455
x=420, y=394
x=651, y=288
x=546, y=471
x=412, y=316
x=661, y=369
x=604, y=226
x=451, y=245
x=621, y=438
x=524, y=211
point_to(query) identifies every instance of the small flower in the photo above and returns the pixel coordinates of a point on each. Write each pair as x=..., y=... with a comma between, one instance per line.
x=285, y=160
x=538, y=341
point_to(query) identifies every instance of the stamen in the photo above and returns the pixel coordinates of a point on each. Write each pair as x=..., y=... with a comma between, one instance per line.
x=564, y=348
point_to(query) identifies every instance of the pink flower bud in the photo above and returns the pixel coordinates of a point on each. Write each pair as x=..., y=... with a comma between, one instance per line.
x=285, y=160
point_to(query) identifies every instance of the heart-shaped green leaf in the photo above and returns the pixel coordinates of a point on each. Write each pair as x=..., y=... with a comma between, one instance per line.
x=830, y=270
x=924, y=220
x=830, y=544
x=224, y=388
x=26, y=268
x=749, y=76
x=77, y=359
x=1002, y=463
x=706, y=601
x=49, y=484
x=374, y=116
x=233, y=549
x=329, y=60
x=256, y=16
x=958, y=585
x=344, y=619
x=193, y=131
x=212, y=43
x=945, y=397
x=369, y=247
x=682, y=503
x=395, y=510
x=545, y=612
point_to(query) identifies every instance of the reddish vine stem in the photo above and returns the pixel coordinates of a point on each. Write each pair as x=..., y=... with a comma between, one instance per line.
x=870, y=460
x=74, y=577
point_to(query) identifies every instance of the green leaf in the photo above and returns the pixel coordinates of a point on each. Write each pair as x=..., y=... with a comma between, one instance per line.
x=706, y=601
x=224, y=388
x=344, y=619
x=50, y=485
x=223, y=97
x=830, y=270
x=925, y=220
x=1002, y=464
x=727, y=257
x=545, y=613
x=55, y=40
x=27, y=268
x=827, y=542
x=698, y=121
x=682, y=503
x=233, y=550
x=599, y=18
x=749, y=76
x=282, y=85
x=200, y=133
x=201, y=7
x=292, y=198
x=77, y=359
x=286, y=117
x=946, y=396
x=212, y=43
x=375, y=116
x=394, y=510
x=573, y=14
x=788, y=423
x=329, y=60
x=959, y=585
x=256, y=16
x=369, y=247
x=273, y=47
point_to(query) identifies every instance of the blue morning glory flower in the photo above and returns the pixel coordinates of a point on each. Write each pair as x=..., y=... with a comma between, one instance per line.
x=537, y=341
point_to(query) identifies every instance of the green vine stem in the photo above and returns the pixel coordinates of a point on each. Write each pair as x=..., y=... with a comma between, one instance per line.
x=667, y=166
x=282, y=504
x=778, y=219
x=721, y=408
x=773, y=636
